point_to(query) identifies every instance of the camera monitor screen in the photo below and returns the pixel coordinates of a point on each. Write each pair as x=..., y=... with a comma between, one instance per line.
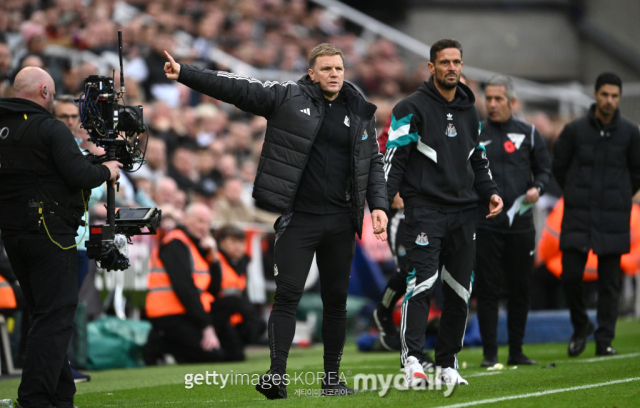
x=133, y=213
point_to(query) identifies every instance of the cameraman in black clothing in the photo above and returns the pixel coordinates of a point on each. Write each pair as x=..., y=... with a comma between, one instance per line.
x=319, y=162
x=521, y=168
x=40, y=164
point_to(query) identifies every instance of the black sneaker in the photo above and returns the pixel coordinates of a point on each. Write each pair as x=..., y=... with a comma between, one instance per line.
x=332, y=386
x=272, y=385
x=79, y=377
x=489, y=361
x=520, y=359
x=579, y=341
x=388, y=333
x=605, y=350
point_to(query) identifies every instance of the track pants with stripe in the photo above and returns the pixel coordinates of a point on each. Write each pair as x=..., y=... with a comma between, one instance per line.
x=439, y=245
x=397, y=285
x=298, y=236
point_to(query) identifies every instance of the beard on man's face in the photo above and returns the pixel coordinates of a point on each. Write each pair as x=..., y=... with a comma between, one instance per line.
x=448, y=85
x=607, y=108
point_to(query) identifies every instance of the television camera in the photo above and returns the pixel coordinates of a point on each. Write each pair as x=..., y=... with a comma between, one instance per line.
x=116, y=128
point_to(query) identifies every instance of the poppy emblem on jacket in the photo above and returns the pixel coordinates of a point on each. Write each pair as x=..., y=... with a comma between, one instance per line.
x=509, y=147
x=451, y=131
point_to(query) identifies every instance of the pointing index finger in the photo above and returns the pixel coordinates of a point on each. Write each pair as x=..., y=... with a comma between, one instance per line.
x=169, y=57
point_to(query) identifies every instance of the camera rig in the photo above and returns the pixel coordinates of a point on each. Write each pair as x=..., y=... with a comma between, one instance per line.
x=116, y=128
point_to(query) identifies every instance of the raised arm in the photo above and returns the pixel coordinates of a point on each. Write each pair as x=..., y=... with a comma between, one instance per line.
x=248, y=94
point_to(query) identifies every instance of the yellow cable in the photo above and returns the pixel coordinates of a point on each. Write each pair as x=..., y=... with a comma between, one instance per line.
x=86, y=225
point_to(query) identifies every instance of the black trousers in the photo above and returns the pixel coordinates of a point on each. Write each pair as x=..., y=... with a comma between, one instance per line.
x=179, y=336
x=298, y=236
x=609, y=278
x=508, y=258
x=438, y=244
x=252, y=326
x=48, y=277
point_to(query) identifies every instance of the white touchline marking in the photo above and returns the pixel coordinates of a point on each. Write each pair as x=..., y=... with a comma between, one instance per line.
x=539, y=394
x=596, y=359
x=482, y=374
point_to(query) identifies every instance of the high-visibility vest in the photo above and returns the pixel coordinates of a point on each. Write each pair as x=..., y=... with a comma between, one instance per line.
x=161, y=299
x=230, y=278
x=7, y=297
x=549, y=253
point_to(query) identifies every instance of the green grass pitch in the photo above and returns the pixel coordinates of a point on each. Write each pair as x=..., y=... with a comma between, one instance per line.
x=592, y=382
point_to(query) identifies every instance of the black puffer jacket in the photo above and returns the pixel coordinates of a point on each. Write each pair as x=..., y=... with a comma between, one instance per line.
x=294, y=111
x=598, y=168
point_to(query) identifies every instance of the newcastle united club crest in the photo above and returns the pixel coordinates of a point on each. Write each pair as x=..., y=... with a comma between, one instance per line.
x=451, y=131
x=422, y=239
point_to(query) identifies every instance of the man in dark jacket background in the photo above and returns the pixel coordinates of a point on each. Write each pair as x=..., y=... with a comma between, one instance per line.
x=434, y=160
x=319, y=162
x=597, y=164
x=521, y=167
x=41, y=165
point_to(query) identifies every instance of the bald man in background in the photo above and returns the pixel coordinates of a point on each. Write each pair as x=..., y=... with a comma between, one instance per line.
x=184, y=275
x=42, y=168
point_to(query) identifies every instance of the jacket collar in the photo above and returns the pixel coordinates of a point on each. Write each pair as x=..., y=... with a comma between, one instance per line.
x=595, y=122
x=501, y=125
x=463, y=99
x=353, y=98
x=22, y=105
x=195, y=241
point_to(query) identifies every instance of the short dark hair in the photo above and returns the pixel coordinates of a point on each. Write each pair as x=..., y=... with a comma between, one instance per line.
x=230, y=230
x=441, y=45
x=608, y=78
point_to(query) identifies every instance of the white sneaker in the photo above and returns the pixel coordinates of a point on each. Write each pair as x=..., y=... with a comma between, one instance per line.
x=450, y=376
x=413, y=373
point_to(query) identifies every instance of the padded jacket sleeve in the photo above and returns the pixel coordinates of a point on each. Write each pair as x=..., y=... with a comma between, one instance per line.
x=248, y=94
x=377, y=188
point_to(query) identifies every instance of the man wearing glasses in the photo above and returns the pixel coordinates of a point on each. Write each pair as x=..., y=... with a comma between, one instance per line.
x=66, y=111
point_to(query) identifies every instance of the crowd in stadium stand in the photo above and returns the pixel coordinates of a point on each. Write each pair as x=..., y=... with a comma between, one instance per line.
x=199, y=148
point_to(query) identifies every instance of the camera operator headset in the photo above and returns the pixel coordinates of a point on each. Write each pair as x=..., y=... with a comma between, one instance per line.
x=42, y=174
